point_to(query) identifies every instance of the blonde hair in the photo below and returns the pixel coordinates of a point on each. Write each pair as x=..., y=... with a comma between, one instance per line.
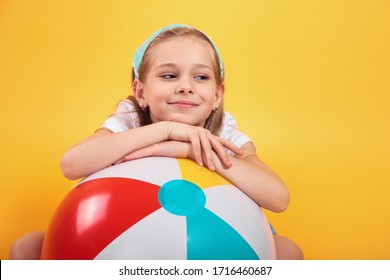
x=214, y=121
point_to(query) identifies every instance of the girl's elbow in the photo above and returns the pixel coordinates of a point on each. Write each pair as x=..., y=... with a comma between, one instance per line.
x=68, y=168
x=284, y=202
x=281, y=207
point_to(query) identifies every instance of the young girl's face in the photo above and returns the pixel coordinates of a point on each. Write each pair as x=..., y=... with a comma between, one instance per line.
x=180, y=84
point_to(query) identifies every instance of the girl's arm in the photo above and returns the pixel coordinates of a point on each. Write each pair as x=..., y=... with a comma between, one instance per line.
x=105, y=148
x=256, y=179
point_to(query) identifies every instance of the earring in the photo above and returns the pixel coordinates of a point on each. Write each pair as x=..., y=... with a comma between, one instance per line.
x=215, y=109
x=142, y=106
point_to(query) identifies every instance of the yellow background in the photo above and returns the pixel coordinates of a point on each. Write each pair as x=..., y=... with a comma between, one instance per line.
x=307, y=80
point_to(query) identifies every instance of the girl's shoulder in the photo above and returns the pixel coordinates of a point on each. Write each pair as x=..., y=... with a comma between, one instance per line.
x=125, y=106
x=124, y=118
x=230, y=131
x=228, y=121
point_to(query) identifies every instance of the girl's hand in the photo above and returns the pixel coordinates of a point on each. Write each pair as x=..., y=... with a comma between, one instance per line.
x=176, y=149
x=203, y=143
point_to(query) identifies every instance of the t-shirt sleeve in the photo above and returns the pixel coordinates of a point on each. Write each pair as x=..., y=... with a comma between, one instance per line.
x=231, y=132
x=123, y=119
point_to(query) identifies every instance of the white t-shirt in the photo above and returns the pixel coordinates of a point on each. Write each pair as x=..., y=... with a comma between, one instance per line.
x=126, y=118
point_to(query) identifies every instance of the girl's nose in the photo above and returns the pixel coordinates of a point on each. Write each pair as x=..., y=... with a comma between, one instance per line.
x=185, y=86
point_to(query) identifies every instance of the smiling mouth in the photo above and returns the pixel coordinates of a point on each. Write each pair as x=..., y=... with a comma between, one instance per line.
x=183, y=104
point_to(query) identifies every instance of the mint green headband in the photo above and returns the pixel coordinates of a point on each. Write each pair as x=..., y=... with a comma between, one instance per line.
x=140, y=52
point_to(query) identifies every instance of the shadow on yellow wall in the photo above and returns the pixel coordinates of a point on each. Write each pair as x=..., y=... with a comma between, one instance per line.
x=307, y=81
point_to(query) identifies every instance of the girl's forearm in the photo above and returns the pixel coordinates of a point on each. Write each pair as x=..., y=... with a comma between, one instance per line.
x=258, y=182
x=102, y=150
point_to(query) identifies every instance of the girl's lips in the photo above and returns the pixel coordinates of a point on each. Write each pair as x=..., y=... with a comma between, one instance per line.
x=183, y=104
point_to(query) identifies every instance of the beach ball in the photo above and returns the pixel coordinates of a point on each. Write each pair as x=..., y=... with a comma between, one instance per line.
x=158, y=208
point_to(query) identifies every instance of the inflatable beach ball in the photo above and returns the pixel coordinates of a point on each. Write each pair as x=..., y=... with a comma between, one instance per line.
x=158, y=208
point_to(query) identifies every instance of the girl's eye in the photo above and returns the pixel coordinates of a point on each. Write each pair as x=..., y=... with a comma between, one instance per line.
x=168, y=76
x=202, y=77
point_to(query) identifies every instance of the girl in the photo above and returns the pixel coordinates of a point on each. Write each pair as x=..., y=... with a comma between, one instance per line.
x=177, y=111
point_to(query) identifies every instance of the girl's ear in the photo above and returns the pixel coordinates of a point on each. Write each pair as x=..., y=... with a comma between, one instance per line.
x=139, y=93
x=219, y=95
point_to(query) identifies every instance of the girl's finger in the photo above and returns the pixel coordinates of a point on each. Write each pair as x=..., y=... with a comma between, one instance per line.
x=196, y=148
x=219, y=149
x=230, y=146
x=207, y=150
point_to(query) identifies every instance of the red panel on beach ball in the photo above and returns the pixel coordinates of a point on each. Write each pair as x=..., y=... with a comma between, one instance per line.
x=96, y=212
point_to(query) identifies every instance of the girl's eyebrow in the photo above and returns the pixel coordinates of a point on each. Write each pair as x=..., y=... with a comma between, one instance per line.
x=165, y=65
x=200, y=65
